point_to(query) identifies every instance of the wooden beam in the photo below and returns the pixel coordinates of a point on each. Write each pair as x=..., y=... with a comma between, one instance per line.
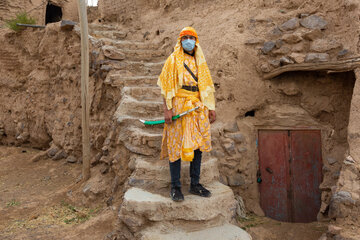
x=85, y=102
x=331, y=66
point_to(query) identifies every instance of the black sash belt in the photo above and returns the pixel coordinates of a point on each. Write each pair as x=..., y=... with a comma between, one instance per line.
x=191, y=88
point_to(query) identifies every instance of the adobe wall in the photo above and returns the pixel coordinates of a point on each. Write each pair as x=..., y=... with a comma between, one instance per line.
x=37, y=9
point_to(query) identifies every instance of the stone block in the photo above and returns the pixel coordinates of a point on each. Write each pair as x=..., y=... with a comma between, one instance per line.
x=317, y=57
x=275, y=32
x=229, y=146
x=341, y=53
x=334, y=229
x=282, y=51
x=313, y=22
x=275, y=63
x=52, y=151
x=265, y=67
x=290, y=24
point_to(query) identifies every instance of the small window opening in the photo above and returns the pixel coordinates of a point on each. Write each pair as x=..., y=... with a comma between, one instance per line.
x=250, y=113
x=53, y=13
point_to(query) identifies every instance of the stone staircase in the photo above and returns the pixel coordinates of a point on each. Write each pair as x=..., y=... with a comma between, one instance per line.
x=147, y=209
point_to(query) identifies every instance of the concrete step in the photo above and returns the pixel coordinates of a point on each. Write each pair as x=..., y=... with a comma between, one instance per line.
x=140, y=207
x=223, y=232
x=143, y=93
x=118, y=80
x=140, y=109
x=153, y=175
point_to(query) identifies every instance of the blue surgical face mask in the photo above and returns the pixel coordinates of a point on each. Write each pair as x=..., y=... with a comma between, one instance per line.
x=188, y=45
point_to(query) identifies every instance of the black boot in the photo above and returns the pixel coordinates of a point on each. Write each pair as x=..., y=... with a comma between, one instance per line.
x=199, y=190
x=176, y=194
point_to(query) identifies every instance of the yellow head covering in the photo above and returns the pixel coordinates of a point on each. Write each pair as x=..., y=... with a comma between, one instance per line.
x=172, y=75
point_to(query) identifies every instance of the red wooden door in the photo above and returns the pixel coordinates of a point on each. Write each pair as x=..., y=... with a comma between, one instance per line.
x=290, y=166
x=306, y=174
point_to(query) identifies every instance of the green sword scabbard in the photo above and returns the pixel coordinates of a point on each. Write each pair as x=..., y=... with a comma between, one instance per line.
x=163, y=120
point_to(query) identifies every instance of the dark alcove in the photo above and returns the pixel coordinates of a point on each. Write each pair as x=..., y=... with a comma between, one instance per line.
x=53, y=13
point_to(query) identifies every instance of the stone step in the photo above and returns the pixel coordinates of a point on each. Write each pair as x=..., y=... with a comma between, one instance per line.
x=111, y=34
x=143, y=93
x=140, y=137
x=118, y=80
x=102, y=27
x=134, y=121
x=140, y=207
x=223, y=232
x=153, y=174
x=131, y=45
x=139, y=109
x=144, y=54
x=134, y=68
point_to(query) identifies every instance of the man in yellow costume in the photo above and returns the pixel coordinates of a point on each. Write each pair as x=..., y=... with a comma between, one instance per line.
x=186, y=83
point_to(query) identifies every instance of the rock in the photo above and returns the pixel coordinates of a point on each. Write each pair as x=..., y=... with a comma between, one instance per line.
x=299, y=47
x=312, y=35
x=349, y=160
x=341, y=54
x=265, y=67
x=59, y=155
x=286, y=61
x=343, y=197
x=254, y=41
x=113, y=53
x=292, y=38
x=71, y=159
x=314, y=22
x=39, y=156
x=297, y=57
x=52, y=151
x=274, y=63
x=119, y=35
x=290, y=24
x=317, y=57
x=282, y=51
x=323, y=237
x=331, y=160
x=275, y=32
x=235, y=180
x=231, y=127
x=217, y=154
x=242, y=149
x=240, y=207
x=268, y=46
x=334, y=229
x=279, y=43
x=324, y=45
x=223, y=179
x=67, y=25
x=229, y=146
x=303, y=15
x=237, y=136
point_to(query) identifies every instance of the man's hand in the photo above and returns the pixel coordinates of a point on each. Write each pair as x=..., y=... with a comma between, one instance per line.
x=168, y=114
x=212, y=116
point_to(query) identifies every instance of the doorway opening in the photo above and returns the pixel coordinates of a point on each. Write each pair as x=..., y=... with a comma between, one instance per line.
x=53, y=13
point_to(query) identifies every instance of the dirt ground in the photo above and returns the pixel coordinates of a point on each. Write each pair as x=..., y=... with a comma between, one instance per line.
x=34, y=205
